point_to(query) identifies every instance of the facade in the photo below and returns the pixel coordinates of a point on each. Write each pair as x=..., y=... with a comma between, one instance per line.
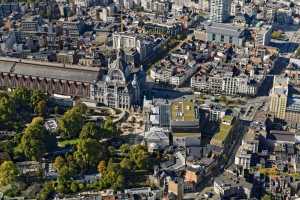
x=192, y=175
x=65, y=57
x=230, y=85
x=120, y=88
x=216, y=113
x=279, y=96
x=243, y=159
x=263, y=35
x=293, y=71
x=292, y=114
x=132, y=43
x=160, y=28
x=219, y=10
x=227, y=85
x=225, y=33
x=176, y=187
x=68, y=80
x=116, y=90
x=29, y=25
x=227, y=185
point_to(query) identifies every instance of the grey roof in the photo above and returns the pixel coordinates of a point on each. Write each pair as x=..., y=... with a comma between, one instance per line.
x=225, y=29
x=49, y=70
x=283, y=136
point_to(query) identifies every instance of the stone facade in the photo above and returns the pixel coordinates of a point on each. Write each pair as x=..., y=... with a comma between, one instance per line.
x=121, y=87
x=48, y=77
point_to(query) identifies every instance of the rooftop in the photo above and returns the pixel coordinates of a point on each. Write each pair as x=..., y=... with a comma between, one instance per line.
x=227, y=29
x=221, y=135
x=183, y=111
x=49, y=70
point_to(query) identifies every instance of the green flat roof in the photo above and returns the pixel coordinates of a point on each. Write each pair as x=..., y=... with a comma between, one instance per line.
x=186, y=134
x=183, y=111
x=221, y=136
x=227, y=118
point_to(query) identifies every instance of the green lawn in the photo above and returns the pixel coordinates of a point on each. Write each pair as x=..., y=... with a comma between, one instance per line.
x=65, y=143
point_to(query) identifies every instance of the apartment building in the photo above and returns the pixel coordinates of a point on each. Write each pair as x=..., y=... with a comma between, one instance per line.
x=219, y=10
x=279, y=96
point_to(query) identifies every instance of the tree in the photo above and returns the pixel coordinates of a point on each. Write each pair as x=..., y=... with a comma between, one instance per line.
x=113, y=177
x=41, y=107
x=267, y=197
x=88, y=153
x=8, y=173
x=36, y=140
x=47, y=190
x=298, y=53
x=59, y=162
x=112, y=150
x=65, y=167
x=7, y=110
x=74, y=187
x=22, y=99
x=125, y=148
x=90, y=130
x=36, y=97
x=101, y=167
x=61, y=188
x=126, y=164
x=119, y=183
x=138, y=154
x=72, y=121
x=109, y=127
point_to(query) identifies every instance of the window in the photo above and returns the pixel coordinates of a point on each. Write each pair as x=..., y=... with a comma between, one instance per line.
x=222, y=38
x=230, y=39
x=213, y=37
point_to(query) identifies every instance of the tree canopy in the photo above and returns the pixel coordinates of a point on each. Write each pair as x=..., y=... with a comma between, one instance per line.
x=36, y=140
x=8, y=173
x=7, y=110
x=71, y=122
x=66, y=167
x=139, y=155
x=89, y=152
x=90, y=130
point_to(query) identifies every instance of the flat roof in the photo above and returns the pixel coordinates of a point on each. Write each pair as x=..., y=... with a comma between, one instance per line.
x=225, y=29
x=283, y=136
x=183, y=111
x=187, y=134
x=221, y=135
